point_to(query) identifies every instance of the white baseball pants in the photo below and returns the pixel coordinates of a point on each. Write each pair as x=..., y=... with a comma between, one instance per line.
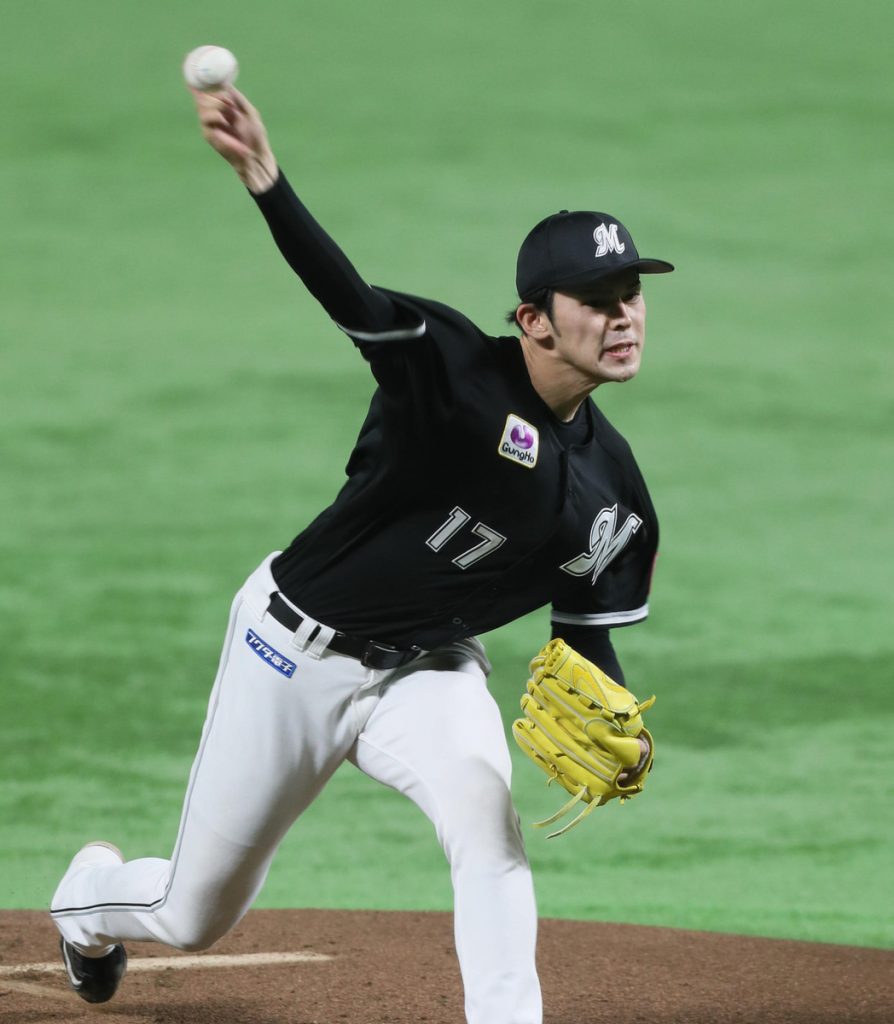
x=273, y=736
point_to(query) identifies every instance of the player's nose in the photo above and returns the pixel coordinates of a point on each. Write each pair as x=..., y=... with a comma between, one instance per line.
x=618, y=313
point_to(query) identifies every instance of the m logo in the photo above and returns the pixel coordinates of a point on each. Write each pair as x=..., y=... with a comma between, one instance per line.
x=606, y=239
x=605, y=543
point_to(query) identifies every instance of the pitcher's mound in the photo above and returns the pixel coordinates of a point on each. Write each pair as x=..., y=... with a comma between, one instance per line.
x=373, y=967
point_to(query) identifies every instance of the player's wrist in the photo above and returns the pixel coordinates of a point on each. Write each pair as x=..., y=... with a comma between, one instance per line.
x=259, y=174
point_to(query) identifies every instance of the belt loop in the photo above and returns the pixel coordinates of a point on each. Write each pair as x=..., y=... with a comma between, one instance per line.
x=320, y=642
x=302, y=635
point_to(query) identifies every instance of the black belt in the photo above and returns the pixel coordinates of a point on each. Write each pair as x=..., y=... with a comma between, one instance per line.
x=369, y=653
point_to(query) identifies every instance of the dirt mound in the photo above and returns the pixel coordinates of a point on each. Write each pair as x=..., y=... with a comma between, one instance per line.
x=399, y=968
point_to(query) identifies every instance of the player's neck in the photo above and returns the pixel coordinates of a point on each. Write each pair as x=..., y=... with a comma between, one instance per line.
x=560, y=386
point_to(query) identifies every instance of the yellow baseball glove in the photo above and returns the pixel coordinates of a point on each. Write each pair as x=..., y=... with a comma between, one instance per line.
x=583, y=730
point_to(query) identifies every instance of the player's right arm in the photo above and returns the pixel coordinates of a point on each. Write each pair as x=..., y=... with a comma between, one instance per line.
x=234, y=128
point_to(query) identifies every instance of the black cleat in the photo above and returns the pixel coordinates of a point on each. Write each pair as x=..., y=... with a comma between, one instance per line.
x=95, y=979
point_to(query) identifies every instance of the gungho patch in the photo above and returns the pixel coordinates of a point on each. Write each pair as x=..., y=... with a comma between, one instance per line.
x=520, y=441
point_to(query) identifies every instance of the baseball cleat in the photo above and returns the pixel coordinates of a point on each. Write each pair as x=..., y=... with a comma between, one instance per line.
x=95, y=979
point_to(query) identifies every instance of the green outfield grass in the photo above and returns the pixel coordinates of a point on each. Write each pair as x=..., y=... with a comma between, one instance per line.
x=173, y=407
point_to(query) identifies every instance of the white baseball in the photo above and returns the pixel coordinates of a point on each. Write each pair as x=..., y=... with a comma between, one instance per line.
x=210, y=67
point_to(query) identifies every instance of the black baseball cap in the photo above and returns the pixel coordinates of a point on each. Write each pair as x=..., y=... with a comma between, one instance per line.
x=568, y=250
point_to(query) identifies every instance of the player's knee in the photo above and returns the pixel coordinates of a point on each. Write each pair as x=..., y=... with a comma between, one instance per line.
x=195, y=936
x=479, y=822
x=478, y=791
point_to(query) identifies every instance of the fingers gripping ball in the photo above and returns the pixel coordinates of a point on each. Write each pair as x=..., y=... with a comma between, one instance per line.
x=210, y=67
x=583, y=730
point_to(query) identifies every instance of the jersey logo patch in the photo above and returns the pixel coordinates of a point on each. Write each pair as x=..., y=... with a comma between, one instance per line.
x=606, y=542
x=520, y=441
x=270, y=654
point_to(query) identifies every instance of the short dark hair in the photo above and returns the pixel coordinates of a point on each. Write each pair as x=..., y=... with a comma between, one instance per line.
x=541, y=299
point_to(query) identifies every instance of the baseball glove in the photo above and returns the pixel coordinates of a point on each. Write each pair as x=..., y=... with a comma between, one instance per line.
x=582, y=729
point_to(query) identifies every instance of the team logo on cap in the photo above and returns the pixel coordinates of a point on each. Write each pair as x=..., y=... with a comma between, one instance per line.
x=606, y=239
x=519, y=442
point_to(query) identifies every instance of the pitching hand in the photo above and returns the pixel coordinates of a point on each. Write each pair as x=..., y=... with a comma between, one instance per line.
x=232, y=126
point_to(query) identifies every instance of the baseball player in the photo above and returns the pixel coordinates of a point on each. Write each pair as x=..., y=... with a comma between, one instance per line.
x=484, y=484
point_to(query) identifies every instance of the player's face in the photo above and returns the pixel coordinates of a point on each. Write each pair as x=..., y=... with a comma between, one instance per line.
x=599, y=332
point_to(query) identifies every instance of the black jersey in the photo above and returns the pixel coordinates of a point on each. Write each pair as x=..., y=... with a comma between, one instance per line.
x=467, y=503
x=463, y=508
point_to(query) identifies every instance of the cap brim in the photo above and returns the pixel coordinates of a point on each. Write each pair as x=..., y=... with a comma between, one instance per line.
x=653, y=266
x=643, y=266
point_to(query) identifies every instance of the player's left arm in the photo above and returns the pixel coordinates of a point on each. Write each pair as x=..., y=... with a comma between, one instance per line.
x=594, y=643
x=584, y=612
x=584, y=616
x=584, y=619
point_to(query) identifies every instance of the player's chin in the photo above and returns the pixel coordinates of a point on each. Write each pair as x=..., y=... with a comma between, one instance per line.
x=620, y=370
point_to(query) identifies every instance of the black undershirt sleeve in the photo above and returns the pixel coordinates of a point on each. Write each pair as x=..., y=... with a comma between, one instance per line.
x=325, y=270
x=595, y=645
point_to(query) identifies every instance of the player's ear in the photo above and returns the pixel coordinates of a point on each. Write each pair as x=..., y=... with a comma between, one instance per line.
x=533, y=321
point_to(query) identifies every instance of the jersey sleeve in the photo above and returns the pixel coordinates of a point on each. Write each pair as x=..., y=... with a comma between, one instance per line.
x=365, y=313
x=620, y=597
x=429, y=368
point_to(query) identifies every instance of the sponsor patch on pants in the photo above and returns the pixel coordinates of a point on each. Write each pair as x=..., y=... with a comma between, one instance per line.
x=270, y=654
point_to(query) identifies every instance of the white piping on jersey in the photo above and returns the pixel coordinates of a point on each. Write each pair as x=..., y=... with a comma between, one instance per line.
x=602, y=619
x=400, y=335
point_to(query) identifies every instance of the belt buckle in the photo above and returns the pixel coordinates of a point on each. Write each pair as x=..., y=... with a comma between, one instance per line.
x=373, y=647
x=400, y=657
